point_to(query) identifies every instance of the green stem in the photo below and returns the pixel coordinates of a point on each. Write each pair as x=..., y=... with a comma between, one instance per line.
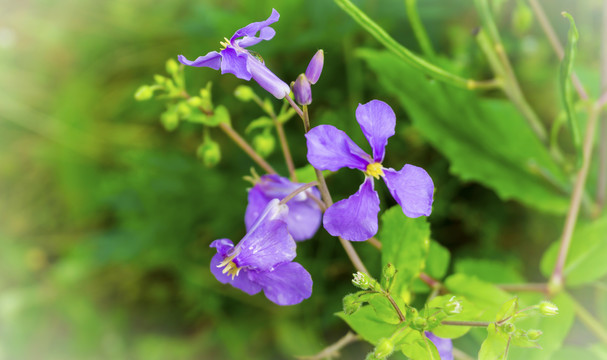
x=406, y=55
x=590, y=321
x=467, y=323
x=601, y=190
x=418, y=29
x=285, y=148
x=401, y=317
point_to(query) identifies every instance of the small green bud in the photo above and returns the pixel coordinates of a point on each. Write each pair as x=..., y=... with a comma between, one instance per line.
x=389, y=271
x=264, y=144
x=384, y=348
x=534, y=334
x=195, y=101
x=361, y=280
x=548, y=309
x=169, y=119
x=522, y=18
x=209, y=152
x=172, y=66
x=244, y=93
x=509, y=328
x=183, y=109
x=453, y=307
x=371, y=356
x=159, y=79
x=144, y=92
x=351, y=304
x=419, y=323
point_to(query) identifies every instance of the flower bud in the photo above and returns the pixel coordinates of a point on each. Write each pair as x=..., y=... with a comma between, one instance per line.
x=534, y=334
x=144, y=92
x=549, y=309
x=302, y=90
x=315, y=67
x=351, y=304
x=453, y=307
x=264, y=144
x=361, y=280
x=389, y=271
x=183, y=109
x=159, y=79
x=172, y=66
x=170, y=119
x=509, y=328
x=244, y=93
x=419, y=323
x=209, y=152
x=384, y=348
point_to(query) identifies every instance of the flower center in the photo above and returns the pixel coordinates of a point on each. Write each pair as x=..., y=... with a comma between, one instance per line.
x=375, y=170
x=230, y=267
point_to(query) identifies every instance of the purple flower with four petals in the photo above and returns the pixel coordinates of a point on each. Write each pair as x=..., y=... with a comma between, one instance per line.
x=303, y=219
x=329, y=148
x=444, y=346
x=235, y=59
x=262, y=260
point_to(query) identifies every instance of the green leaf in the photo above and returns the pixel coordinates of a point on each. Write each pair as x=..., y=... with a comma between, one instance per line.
x=554, y=328
x=367, y=324
x=483, y=295
x=494, y=347
x=565, y=90
x=418, y=347
x=489, y=270
x=438, y=259
x=405, y=244
x=586, y=258
x=259, y=123
x=464, y=128
x=507, y=310
x=384, y=309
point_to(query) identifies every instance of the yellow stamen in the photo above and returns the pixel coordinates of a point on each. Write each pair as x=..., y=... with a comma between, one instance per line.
x=375, y=170
x=224, y=44
x=230, y=267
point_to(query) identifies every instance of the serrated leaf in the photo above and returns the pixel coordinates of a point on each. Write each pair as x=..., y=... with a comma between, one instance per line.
x=485, y=140
x=405, y=244
x=367, y=324
x=586, y=257
x=418, y=347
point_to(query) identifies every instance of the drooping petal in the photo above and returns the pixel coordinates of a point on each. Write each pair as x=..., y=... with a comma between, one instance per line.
x=412, y=188
x=249, y=32
x=266, y=79
x=444, y=346
x=212, y=60
x=331, y=149
x=268, y=242
x=354, y=218
x=287, y=284
x=377, y=121
x=303, y=219
x=223, y=246
x=234, y=62
x=242, y=281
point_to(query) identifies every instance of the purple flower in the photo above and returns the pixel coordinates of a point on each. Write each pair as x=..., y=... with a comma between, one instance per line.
x=262, y=260
x=444, y=346
x=329, y=148
x=303, y=219
x=235, y=59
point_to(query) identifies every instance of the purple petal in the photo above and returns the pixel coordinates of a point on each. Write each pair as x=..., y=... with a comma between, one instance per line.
x=266, y=79
x=331, y=149
x=315, y=67
x=212, y=60
x=223, y=246
x=412, y=188
x=287, y=284
x=354, y=218
x=444, y=346
x=234, y=62
x=302, y=90
x=377, y=121
x=268, y=242
x=303, y=219
x=249, y=32
x=242, y=281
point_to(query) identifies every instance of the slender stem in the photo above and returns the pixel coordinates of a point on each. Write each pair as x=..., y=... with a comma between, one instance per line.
x=294, y=106
x=466, y=323
x=460, y=355
x=557, y=278
x=285, y=148
x=590, y=321
x=408, y=56
x=530, y=287
x=298, y=191
x=434, y=284
x=401, y=317
x=556, y=44
x=375, y=243
x=602, y=178
x=418, y=29
x=332, y=351
x=239, y=140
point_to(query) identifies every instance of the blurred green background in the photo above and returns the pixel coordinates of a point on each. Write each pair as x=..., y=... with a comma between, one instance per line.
x=105, y=217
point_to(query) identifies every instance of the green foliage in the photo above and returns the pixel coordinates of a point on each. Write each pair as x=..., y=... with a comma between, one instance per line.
x=565, y=84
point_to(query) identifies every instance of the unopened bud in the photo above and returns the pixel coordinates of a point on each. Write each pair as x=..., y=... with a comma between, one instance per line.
x=172, y=66
x=351, y=304
x=209, y=152
x=534, y=334
x=244, y=93
x=302, y=90
x=509, y=328
x=389, y=271
x=264, y=144
x=183, y=109
x=549, y=309
x=419, y=323
x=453, y=307
x=315, y=67
x=384, y=348
x=170, y=119
x=195, y=101
x=361, y=280
x=144, y=92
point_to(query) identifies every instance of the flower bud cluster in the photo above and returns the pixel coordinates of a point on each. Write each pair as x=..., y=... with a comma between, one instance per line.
x=302, y=86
